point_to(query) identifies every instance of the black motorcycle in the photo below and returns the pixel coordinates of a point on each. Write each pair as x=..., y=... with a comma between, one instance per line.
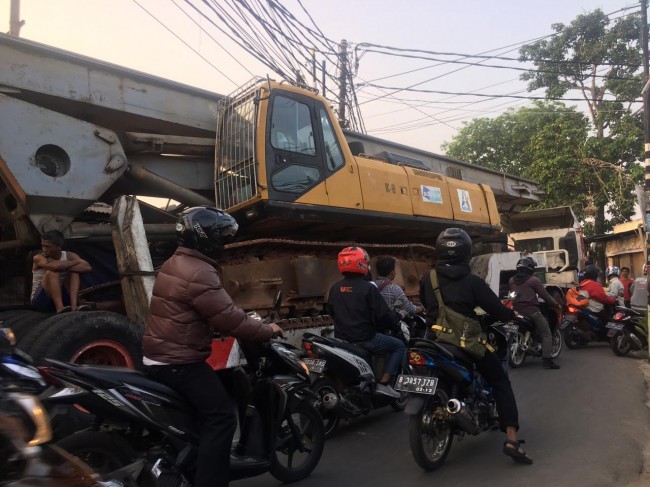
x=447, y=396
x=26, y=456
x=344, y=377
x=526, y=342
x=148, y=429
x=626, y=333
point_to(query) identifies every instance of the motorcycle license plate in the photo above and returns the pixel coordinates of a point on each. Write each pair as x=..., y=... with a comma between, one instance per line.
x=416, y=383
x=315, y=365
x=615, y=326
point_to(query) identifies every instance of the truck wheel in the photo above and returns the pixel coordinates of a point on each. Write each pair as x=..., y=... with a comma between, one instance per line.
x=35, y=332
x=22, y=321
x=100, y=338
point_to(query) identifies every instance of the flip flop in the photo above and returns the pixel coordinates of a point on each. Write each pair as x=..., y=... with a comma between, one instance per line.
x=65, y=309
x=517, y=454
x=84, y=307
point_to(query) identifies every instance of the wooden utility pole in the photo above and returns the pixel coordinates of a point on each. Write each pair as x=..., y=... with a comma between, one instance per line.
x=14, y=18
x=343, y=77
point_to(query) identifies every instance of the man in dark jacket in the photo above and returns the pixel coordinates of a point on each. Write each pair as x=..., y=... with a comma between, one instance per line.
x=188, y=305
x=360, y=313
x=528, y=288
x=463, y=291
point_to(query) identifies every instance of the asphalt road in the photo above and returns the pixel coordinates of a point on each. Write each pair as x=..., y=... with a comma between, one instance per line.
x=585, y=425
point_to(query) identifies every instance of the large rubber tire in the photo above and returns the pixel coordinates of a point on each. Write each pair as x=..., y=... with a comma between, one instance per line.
x=330, y=418
x=22, y=321
x=103, y=452
x=310, y=425
x=430, y=440
x=620, y=344
x=556, y=344
x=570, y=341
x=36, y=331
x=516, y=356
x=91, y=337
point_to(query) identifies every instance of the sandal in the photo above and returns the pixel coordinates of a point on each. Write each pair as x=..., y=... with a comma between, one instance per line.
x=516, y=453
x=65, y=309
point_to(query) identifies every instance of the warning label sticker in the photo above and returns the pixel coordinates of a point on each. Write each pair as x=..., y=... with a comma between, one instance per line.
x=465, y=202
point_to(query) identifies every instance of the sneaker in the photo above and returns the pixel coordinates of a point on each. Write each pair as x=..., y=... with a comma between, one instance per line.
x=387, y=390
x=548, y=363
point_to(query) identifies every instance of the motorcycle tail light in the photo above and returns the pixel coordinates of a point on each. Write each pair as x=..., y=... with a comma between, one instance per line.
x=572, y=309
x=416, y=358
x=49, y=377
x=307, y=346
x=619, y=316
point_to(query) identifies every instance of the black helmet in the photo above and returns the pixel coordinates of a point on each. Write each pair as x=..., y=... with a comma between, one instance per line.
x=592, y=272
x=527, y=265
x=453, y=245
x=205, y=229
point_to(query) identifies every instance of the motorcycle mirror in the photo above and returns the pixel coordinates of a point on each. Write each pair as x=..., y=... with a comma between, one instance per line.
x=277, y=300
x=512, y=295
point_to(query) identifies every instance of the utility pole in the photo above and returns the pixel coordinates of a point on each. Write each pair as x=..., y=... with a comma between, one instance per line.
x=646, y=137
x=14, y=18
x=343, y=76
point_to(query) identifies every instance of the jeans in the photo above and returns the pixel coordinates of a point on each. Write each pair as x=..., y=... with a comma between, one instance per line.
x=381, y=343
x=201, y=386
x=544, y=333
x=492, y=371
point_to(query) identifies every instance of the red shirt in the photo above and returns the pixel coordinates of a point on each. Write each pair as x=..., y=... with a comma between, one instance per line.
x=627, y=282
x=596, y=292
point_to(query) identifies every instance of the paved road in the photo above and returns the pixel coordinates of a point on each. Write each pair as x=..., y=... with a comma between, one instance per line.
x=586, y=425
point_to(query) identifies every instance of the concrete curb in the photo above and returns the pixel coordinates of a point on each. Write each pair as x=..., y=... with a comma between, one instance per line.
x=644, y=476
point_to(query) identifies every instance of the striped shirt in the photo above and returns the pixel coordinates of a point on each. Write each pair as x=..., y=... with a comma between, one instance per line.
x=394, y=296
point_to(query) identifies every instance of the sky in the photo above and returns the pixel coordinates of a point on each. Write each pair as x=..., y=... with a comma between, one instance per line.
x=168, y=39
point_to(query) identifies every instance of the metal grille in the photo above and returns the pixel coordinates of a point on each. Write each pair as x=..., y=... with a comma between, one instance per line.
x=236, y=165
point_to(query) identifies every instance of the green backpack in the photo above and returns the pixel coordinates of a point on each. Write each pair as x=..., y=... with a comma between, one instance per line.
x=457, y=329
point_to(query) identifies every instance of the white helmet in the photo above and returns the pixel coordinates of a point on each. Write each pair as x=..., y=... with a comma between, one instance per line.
x=612, y=270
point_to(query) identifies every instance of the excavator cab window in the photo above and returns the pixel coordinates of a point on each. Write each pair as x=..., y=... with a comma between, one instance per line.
x=291, y=127
x=333, y=152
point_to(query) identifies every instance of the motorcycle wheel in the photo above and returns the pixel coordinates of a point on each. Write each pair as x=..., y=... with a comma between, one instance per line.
x=330, y=418
x=430, y=439
x=298, y=444
x=556, y=347
x=620, y=344
x=569, y=340
x=102, y=452
x=516, y=355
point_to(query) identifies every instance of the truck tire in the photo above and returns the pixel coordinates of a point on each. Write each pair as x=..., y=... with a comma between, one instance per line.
x=30, y=336
x=90, y=337
x=22, y=321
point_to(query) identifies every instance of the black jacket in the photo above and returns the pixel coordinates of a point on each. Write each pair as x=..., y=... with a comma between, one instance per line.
x=358, y=309
x=461, y=291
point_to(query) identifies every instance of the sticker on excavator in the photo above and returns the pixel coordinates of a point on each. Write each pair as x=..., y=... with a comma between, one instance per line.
x=465, y=202
x=431, y=194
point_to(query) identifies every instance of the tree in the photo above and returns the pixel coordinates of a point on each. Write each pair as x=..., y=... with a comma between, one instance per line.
x=600, y=59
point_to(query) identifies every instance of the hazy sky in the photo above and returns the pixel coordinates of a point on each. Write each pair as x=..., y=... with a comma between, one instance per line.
x=124, y=33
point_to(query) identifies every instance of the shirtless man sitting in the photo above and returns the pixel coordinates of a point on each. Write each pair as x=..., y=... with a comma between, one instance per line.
x=55, y=276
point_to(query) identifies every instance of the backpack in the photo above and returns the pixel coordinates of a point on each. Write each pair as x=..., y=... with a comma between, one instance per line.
x=457, y=329
x=574, y=298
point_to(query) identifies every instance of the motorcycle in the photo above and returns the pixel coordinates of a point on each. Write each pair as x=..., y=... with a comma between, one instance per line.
x=148, y=429
x=526, y=342
x=344, y=378
x=26, y=456
x=626, y=333
x=447, y=397
x=581, y=326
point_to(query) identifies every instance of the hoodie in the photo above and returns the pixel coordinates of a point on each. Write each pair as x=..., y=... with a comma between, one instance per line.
x=461, y=291
x=529, y=289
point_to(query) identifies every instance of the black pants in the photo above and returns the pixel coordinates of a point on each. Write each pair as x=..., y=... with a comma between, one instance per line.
x=492, y=371
x=203, y=389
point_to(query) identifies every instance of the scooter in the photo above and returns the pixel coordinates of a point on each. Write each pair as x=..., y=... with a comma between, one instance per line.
x=581, y=326
x=344, y=378
x=626, y=333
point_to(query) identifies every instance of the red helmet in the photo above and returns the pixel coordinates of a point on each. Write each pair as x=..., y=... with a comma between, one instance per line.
x=354, y=260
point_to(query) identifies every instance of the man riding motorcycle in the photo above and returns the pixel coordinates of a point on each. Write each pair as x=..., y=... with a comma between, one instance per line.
x=599, y=301
x=360, y=314
x=528, y=288
x=462, y=291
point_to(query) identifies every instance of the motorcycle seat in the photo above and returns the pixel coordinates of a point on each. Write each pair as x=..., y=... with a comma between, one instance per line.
x=457, y=353
x=339, y=343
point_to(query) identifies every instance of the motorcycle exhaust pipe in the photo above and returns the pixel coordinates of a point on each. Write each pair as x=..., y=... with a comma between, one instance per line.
x=330, y=400
x=462, y=417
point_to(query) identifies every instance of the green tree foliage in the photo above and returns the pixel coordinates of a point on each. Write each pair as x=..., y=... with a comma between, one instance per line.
x=585, y=162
